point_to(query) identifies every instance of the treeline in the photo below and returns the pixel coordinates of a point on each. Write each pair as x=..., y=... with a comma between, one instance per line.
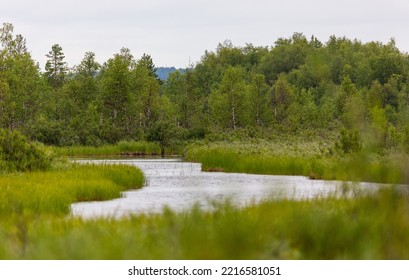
x=360, y=89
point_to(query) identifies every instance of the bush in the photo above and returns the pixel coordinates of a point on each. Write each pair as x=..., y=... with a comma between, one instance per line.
x=19, y=154
x=349, y=141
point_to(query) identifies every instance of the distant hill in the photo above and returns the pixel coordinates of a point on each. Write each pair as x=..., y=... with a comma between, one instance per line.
x=163, y=72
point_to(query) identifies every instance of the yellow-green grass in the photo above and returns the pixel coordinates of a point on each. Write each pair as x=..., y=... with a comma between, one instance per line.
x=52, y=192
x=367, y=227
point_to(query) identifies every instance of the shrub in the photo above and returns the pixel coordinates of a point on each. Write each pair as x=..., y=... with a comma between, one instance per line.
x=19, y=154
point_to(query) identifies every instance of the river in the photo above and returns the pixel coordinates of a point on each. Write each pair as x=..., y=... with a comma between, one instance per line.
x=179, y=185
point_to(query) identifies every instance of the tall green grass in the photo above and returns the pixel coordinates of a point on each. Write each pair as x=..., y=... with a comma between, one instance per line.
x=366, y=227
x=52, y=192
x=242, y=158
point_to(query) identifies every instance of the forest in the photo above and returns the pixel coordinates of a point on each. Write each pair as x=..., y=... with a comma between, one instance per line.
x=295, y=86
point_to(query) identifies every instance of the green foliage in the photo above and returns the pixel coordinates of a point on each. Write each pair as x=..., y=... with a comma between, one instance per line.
x=18, y=154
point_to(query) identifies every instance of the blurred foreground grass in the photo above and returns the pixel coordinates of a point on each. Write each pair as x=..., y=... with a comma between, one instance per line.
x=372, y=226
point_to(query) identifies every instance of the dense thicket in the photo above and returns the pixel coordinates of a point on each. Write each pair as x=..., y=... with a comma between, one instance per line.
x=297, y=84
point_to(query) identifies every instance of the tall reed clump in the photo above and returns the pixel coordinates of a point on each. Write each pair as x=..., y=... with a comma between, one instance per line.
x=51, y=192
x=372, y=226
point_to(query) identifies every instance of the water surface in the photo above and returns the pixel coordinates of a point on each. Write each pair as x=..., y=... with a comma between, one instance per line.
x=179, y=185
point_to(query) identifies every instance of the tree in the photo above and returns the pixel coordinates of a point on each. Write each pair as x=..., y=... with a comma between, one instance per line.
x=88, y=67
x=116, y=86
x=56, y=67
x=282, y=95
x=379, y=125
x=146, y=95
x=147, y=62
x=287, y=55
x=164, y=130
x=229, y=103
x=175, y=89
x=13, y=46
x=21, y=91
x=85, y=84
x=4, y=106
x=6, y=35
x=259, y=100
x=386, y=65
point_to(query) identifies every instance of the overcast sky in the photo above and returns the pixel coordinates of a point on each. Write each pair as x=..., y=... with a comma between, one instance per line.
x=174, y=31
